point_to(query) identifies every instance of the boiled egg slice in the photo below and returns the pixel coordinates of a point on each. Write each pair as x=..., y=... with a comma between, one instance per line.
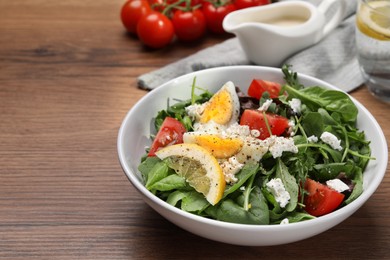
x=223, y=108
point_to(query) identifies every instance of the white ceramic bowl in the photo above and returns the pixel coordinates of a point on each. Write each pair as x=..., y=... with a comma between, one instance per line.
x=137, y=126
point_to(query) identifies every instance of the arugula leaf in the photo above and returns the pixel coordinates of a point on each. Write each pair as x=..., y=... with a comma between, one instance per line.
x=358, y=188
x=289, y=183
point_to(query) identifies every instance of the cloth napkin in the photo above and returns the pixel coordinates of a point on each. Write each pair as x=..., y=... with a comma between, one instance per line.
x=333, y=59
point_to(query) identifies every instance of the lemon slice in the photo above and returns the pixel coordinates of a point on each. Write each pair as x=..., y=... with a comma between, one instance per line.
x=374, y=20
x=198, y=167
x=220, y=148
x=223, y=107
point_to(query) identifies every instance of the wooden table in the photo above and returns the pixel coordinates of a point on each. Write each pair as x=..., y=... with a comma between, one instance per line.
x=68, y=76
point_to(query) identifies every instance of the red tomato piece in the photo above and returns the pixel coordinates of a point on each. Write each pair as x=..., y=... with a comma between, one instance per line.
x=258, y=87
x=189, y=26
x=321, y=199
x=256, y=121
x=215, y=14
x=171, y=132
x=155, y=30
x=132, y=11
x=241, y=4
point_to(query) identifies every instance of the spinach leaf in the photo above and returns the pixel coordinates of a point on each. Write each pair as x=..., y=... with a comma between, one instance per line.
x=312, y=124
x=194, y=202
x=298, y=217
x=146, y=166
x=171, y=182
x=158, y=172
x=234, y=211
x=246, y=172
x=191, y=201
x=331, y=100
x=175, y=197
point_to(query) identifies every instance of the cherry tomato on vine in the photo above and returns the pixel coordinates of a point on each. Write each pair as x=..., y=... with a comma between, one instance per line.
x=158, y=5
x=241, y=4
x=187, y=3
x=132, y=11
x=215, y=13
x=155, y=30
x=189, y=25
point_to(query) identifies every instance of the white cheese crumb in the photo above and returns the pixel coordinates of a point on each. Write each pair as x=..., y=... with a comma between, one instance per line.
x=230, y=167
x=236, y=130
x=279, y=144
x=337, y=185
x=209, y=128
x=265, y=105
x=284, y=221
x=276, y=187
x=312, y=139
x=195, y=111
x=295, y=105
x=255, y=133
x=291, y=126
x=331, y=140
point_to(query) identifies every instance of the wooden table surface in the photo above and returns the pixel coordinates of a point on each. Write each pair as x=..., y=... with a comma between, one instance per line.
x=68, y=76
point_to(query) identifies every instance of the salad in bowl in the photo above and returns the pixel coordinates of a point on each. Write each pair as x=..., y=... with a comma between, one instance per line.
x=262, y=151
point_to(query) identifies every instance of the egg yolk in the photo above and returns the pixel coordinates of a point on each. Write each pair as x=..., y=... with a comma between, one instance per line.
x=219, y=147
x=219, y=108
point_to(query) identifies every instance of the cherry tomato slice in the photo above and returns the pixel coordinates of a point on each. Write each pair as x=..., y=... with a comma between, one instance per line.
x=171, y=132
x=189, y=26
x=155, y=30
x=321, y=199
x=256, y=121
x=132, y=11
x=258, y=87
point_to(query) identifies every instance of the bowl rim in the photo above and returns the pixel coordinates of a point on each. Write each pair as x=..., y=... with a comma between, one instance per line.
x=334, y=216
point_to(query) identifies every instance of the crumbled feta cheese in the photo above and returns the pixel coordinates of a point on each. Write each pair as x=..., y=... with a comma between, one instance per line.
x=276, y=187
x=265, y=105
x=230, y=167
x=279, y=144
x=331, y=140
x=291, y=126
x=284, y=221
x=337, y=185
x=195, y=111
x=312, y=139
x=236, y=130
x=295, y=105
x=255, y=133
x=209, y=128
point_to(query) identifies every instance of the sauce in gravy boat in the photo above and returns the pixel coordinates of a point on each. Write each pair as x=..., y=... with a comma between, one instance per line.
x=271, y=33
